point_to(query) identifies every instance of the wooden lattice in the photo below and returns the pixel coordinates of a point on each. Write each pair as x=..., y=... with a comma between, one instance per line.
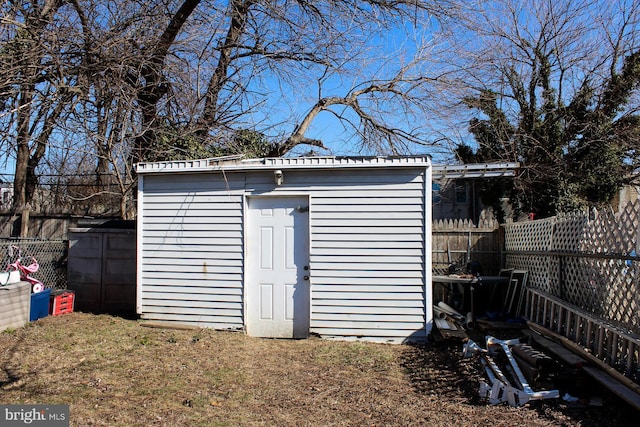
x=529, y=236
x=586, y=259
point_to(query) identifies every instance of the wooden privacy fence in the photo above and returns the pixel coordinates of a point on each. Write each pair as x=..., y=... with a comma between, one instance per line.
x=32, y=225
x=584, y=280
x=460, y=241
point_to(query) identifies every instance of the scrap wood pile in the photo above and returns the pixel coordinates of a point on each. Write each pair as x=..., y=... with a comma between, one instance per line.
x=449, y=323
x=540, y=365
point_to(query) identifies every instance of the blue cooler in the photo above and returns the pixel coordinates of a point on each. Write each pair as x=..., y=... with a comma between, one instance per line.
x=39, y=305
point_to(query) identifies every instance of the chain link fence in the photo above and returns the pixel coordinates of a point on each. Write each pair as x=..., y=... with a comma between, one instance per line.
x=51, y=256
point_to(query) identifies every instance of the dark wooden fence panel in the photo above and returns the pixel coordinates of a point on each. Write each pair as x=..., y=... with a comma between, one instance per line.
x=461, y=241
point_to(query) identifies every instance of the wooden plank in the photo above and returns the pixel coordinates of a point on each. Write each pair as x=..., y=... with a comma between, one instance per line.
x=625, y=393
x=587, y=356
x=373, y=223
x=600, y=346
x=189, y=251
x=224, y=316
x=340, y=214
x=440, y=335
x=169, y=325
x=494, y=325
x=194, y=210
x=630, y=357
x=558, y=350
x=338, y=177
x=187, y=259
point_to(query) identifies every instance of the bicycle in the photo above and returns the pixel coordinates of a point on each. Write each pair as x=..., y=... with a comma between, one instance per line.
x=25, y=271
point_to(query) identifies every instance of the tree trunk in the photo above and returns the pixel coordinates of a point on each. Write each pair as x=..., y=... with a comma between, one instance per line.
x=155, y=86
x=22, y=154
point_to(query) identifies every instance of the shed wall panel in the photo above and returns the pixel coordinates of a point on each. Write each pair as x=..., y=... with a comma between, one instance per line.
x=192, y=265
x=351, y=298
x=367, y=249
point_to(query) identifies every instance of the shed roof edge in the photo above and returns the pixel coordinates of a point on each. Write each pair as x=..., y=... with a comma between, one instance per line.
x=231, y=163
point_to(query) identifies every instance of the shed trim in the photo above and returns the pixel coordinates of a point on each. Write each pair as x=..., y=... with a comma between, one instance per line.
x=236, y=164
x=139, y=245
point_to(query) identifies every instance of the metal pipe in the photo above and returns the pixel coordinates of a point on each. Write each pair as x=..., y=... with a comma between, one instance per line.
x=533, y=395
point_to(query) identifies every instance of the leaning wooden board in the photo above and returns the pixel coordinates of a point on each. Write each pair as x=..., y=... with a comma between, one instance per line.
x=617, y=383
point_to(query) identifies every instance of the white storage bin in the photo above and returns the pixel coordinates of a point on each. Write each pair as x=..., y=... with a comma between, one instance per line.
x=15, y=305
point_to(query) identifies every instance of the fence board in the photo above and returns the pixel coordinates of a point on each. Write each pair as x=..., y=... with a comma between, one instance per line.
x=461, y=240
x=584, y=277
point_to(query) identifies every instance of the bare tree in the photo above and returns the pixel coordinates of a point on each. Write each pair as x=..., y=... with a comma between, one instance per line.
x=285, y=43
x=36, y=88
x=553, y=85
x=122, y=82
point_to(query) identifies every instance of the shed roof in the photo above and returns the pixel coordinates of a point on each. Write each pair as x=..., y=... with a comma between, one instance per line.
x=238, y=163
x=229, y=163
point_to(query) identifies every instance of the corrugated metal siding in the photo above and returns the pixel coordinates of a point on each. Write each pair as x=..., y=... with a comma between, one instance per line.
x=367, y=250
x=192, y=249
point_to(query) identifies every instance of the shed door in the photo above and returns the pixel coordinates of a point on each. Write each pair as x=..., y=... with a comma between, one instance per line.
x=277, y=283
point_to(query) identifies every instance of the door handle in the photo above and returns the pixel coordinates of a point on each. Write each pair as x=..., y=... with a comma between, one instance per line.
x=306, y=277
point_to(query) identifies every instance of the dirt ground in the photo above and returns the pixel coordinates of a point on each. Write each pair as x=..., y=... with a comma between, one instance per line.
x=116, y=372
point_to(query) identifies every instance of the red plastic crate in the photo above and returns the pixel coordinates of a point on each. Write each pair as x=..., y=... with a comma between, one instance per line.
x=61, y=302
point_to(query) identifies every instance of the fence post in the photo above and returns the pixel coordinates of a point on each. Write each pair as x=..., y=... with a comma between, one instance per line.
x=501, y=246
x=24, y=223
x=560, y=284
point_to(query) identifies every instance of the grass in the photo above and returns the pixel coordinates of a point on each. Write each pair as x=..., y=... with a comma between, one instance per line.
x=116, y=372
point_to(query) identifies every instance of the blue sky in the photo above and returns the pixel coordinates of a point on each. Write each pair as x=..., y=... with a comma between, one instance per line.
x=384, y=53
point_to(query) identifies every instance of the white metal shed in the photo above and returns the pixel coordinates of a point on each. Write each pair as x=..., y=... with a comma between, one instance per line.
x=287, y=247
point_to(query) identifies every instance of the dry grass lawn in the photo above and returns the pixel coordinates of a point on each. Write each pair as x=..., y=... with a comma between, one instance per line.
x=115, y=372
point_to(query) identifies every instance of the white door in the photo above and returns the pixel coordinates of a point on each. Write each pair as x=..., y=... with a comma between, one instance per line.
x=277, y=282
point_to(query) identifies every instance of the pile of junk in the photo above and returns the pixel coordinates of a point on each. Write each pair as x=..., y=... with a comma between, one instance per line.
x=512, y=369
x=519, y=361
